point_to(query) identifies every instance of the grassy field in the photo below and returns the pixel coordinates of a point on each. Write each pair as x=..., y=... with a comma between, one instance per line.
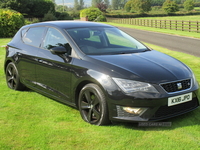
x=184, y=18
x=29, y=120
x=166, y=31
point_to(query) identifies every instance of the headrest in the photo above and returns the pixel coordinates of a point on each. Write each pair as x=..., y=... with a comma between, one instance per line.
x=85, y=33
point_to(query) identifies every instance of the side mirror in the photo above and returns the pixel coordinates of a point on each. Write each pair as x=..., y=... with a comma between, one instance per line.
x=58, y=50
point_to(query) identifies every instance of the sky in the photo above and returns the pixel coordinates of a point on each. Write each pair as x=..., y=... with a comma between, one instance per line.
x=70, y=3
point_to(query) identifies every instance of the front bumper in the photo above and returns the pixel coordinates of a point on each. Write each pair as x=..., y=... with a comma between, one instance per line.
x=157, y=109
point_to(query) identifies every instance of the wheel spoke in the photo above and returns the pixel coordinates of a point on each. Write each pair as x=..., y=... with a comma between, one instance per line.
x=14, y=80
x=96, y=113
x=85, y=105
x=10, y=71
x=12, y=83
x=89, y=115
x=95, y=101
x=9, y=78
x=87, y=96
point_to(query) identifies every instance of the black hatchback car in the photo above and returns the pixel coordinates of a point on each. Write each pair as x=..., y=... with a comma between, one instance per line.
x=105, y=73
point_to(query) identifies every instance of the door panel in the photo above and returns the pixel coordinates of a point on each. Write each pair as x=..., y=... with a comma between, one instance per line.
x=53, y=71
x=27, y=54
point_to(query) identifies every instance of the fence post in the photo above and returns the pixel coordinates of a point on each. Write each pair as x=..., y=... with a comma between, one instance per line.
x=182, y=25
x=189, y=26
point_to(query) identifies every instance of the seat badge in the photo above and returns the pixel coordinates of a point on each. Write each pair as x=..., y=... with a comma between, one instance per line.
x=179, y=86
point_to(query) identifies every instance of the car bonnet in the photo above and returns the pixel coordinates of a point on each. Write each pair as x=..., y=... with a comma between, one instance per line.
x=151, y=66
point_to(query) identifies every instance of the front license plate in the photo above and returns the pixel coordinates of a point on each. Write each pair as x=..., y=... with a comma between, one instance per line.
x=179, y=99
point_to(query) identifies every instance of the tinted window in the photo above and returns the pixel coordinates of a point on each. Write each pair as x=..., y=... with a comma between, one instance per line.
x=54, y=39
x=34, y=36
x=102, y=41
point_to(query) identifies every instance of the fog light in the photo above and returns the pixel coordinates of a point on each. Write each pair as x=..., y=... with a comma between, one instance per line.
x=133, y=110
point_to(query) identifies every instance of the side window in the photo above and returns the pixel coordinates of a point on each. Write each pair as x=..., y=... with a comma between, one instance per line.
x=34, y=36
x=54, y=39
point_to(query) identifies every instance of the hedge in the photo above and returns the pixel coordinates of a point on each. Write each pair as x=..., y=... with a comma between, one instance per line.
x=10, y=22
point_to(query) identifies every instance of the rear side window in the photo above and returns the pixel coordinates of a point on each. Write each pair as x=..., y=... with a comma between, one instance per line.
x=34, y=36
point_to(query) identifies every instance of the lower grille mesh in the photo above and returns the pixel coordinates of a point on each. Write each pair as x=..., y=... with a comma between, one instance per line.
x=166, y=111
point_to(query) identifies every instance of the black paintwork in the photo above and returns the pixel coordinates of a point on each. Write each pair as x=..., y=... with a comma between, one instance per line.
x=61, y=76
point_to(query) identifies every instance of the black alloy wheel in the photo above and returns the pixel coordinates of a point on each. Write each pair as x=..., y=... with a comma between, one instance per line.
x=93, y=106
x=12, y=77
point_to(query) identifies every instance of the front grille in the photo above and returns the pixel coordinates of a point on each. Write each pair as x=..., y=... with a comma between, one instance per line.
x=166, y=111
x=177, y=86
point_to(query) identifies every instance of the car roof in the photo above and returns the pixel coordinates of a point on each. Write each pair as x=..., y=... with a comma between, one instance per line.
x=69, y=24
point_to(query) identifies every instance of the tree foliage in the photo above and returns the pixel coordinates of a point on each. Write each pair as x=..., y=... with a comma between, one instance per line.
x=91, y=13
x=140, y=6
x=189, y=5
x=30, y=8
x=115, y=4
x=10, y=22
x=95, y=2
x=78, y=5
x=102, y=6
x=170, y=6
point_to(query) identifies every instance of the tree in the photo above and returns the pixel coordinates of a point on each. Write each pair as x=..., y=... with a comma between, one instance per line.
x=102, y=6
x=170, y=6
x=95, y=2
x=30, y=8
x=81, y=3
x=76, y=5
x=140, y=6
x=114, y=4
x=188, y=5
x=107, y=2
x=61, y=8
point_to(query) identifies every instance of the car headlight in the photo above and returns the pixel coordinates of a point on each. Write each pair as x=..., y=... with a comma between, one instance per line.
x=130, y=86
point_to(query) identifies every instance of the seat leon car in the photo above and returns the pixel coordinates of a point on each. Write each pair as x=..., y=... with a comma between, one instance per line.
x=100, y=70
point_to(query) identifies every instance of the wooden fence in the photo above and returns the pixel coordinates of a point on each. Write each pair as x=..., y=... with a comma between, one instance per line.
x=191, y=26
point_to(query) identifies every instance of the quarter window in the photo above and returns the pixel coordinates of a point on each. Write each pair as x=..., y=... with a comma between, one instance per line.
x=34, y=36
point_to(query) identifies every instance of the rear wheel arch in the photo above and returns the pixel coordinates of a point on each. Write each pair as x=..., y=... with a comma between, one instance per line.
x=12, y=77
x=6, y=64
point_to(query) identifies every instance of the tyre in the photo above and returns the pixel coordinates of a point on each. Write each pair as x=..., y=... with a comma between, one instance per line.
x=12, y=77
x=92, y=105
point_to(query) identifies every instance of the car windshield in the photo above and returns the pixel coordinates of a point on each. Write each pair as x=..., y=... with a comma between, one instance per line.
x=105, y=41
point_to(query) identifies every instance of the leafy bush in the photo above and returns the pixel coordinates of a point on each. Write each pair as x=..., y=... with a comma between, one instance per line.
x=91, y=13
x=189, y=5
x=10, y=22
x=197, y=4
x=63, y=16
x=100, y=18
x=140, y=6
x=74, y=14
x=170, y=6
x=31, y=20
x=49, y=16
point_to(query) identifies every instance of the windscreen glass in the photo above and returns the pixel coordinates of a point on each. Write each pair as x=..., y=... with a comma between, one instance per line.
x=104, y=41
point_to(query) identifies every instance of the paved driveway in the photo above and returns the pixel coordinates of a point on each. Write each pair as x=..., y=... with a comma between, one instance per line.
x=172, y=42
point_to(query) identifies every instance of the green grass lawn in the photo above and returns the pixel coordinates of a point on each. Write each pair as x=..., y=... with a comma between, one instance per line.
x=184, y=18
x=29, y=120
x=166, y=31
